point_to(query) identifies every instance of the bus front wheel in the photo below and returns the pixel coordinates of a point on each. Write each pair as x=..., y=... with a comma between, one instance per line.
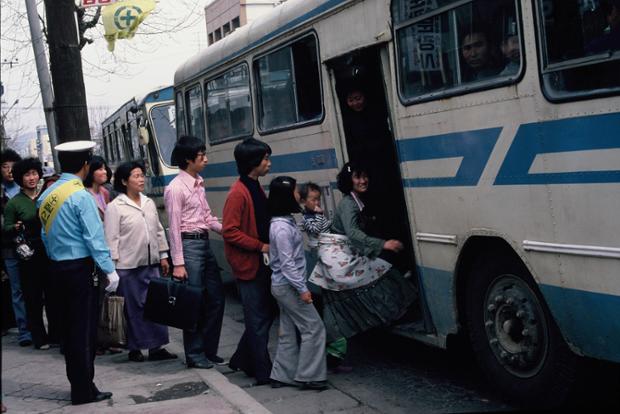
x=514, y=337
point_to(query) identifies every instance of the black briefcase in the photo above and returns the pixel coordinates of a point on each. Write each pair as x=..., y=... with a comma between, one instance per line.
x=174, y=303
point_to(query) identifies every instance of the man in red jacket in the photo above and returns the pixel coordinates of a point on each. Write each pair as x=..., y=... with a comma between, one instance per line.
x=245, y=229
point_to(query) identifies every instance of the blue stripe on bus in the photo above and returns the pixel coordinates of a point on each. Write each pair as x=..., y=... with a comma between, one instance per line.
x=587, y=320
x=288, y=163
x=575, y=134
x=474, y=146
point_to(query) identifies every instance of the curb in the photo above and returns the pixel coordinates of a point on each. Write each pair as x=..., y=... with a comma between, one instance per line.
x=235, y=395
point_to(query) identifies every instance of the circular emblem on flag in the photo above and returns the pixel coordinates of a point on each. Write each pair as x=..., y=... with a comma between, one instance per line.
x=125, y=16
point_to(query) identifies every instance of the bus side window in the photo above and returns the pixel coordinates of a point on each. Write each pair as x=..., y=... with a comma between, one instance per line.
x=468, y=47
x=180, y=114
x=195, y=112
x=229, y=111
x=289, y=85
x=584, y=60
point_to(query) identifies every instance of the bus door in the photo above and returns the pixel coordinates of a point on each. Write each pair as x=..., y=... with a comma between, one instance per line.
x=360, y=92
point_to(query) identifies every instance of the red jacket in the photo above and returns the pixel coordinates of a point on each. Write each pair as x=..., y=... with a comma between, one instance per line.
x=241, y=244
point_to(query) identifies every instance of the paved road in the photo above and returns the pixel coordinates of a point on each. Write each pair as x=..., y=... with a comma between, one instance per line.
x=398, y=375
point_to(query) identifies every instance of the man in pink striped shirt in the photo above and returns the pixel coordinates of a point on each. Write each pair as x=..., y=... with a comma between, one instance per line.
x=190, y=221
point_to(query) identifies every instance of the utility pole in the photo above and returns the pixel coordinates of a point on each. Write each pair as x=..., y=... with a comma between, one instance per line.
x=45, y=81
x=66, y=69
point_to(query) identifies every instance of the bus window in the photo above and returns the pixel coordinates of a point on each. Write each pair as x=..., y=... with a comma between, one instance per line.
x=580, y=47
x=180, y=114
x=471, y=46
x=165, y=131
x=289, y=85
x=119, y=140
x=229, y=108
x=195, y=112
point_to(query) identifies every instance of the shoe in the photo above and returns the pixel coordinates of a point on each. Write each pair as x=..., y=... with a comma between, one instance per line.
x=161, y=355
x=136, y=356
x=261, y=382
x=200, y=365
x=43, y=347
x=25, y=342
x=115, y=350
x=217, y=360
x=280, y=384
x=100, y=396
x=314, y=385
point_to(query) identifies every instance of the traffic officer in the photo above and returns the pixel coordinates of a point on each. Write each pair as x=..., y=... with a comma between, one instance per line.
x=73, y=236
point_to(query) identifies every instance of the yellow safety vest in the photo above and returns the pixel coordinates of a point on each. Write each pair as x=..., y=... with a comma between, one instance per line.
x=54, y=200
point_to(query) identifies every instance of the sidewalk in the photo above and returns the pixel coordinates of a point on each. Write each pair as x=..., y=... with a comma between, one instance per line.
x=34, y=381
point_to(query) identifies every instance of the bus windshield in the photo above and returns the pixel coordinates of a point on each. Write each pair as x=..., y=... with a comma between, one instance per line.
x=163, y=121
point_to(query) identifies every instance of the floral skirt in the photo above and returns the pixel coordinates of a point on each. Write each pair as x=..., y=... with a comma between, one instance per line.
x=349, y=312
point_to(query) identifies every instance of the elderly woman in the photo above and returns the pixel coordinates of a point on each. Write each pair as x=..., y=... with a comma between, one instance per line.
x=360, y=290
x=138, y=247
x=21, y=218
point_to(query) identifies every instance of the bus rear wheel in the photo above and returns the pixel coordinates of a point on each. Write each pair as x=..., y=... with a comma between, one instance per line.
x=514, y=337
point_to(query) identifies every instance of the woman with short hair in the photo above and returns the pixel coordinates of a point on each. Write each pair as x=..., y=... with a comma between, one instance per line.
x=21, y=218
x=138, y=248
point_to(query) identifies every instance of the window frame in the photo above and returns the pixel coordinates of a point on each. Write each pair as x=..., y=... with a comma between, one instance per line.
x=154, y=132
x=218, y=75
x=181, y=93
x=255, y=73
x=543, y=69
x=186, y=91
x=460, y=90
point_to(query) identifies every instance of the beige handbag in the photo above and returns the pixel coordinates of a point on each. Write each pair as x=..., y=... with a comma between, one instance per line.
x=114, y=309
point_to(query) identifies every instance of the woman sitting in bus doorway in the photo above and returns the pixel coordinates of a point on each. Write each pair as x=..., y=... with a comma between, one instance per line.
x=360, y=290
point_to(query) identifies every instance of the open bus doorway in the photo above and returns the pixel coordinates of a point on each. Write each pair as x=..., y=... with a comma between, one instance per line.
x=360, y=88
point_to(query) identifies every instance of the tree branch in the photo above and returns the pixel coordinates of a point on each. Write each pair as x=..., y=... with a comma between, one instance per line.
x=84, y=25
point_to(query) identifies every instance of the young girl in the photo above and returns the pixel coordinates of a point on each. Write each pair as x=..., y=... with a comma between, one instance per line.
x=302, y=363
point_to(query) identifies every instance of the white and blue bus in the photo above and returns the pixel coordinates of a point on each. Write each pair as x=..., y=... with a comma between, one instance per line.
x=503, y=126
x=144, y=128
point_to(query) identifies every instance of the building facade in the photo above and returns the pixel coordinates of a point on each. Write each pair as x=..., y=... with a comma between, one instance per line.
x=224, y=16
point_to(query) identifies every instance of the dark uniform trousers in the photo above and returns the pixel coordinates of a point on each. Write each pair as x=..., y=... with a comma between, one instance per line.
x=77, y=302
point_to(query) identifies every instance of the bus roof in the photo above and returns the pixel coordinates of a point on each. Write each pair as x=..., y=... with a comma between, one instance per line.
x=278, y=21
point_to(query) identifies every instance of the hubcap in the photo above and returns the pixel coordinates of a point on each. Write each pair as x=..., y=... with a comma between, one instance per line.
x=515, y=325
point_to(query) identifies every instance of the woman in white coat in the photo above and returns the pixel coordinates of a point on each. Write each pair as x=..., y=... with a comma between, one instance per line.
x=138, y=247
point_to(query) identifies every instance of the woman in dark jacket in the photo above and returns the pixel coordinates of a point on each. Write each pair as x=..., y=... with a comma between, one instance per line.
x=21, y=218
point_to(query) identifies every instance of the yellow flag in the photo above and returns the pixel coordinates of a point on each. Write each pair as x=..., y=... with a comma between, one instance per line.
x=122, y=18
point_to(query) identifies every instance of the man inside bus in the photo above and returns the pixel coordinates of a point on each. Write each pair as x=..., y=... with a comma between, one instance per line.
x=477, y=52
x=511, y=49
x=610, y=39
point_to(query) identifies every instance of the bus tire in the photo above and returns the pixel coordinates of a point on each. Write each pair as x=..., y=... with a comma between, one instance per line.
x=514, y=338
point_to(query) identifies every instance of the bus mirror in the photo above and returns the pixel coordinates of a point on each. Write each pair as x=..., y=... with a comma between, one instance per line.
x=144, y=136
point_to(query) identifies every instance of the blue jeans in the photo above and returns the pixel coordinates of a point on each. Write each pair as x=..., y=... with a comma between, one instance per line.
x=19, y=306
x=203, y=271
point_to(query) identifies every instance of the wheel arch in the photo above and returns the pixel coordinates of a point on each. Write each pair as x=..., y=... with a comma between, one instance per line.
x=478, y=244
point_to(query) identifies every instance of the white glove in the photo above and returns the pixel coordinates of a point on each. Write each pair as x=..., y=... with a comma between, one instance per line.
x=112, y=281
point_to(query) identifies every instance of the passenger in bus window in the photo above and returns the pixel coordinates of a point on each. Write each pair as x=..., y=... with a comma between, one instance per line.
x=478, y=56
x=610, y=40
x=511, y=49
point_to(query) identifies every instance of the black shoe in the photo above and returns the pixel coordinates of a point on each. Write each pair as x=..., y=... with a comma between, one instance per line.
x=262, y=382
x=200, y=365
x=217, y=360
x=136, y=356
x=100, y=396
x=280, y=384
x=314, y=385
x=25, y=342
x=160, y=355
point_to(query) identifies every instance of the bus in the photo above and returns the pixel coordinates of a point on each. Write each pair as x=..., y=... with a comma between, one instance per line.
x=499, y=120
x=144, y=128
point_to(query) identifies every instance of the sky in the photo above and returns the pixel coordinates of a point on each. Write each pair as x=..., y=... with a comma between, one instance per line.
x=173, y=33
